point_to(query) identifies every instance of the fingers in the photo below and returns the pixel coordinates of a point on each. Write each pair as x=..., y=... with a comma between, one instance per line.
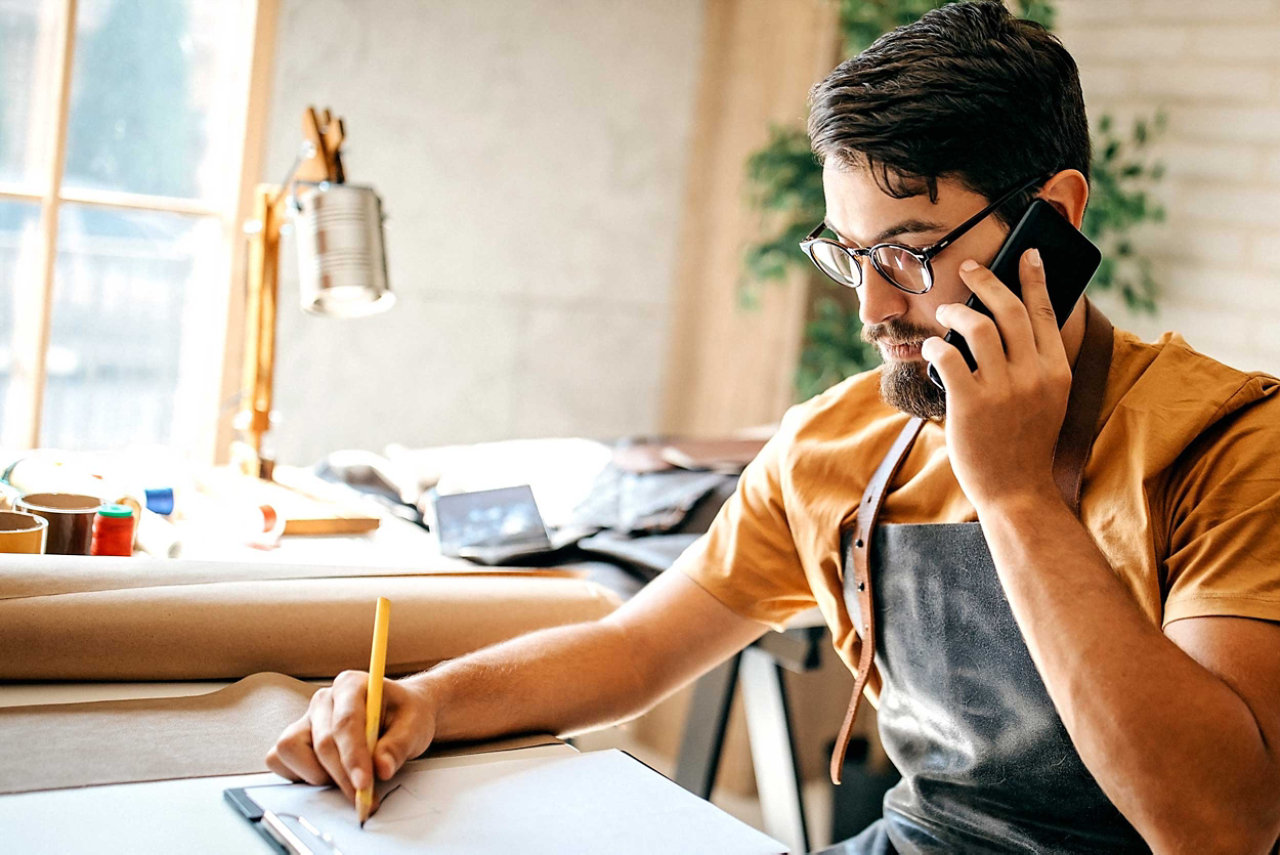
x=979, y=333
x=292, y=756
x=328, y=744
x=1011, y=320
x=408, y=730
x=348, y=725
x=949, y=362
x=325, y=744
x=1035, y=295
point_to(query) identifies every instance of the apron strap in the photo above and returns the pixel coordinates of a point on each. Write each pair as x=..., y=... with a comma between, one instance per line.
x=864, y=524
x=1088, y=386
x=1084, y=405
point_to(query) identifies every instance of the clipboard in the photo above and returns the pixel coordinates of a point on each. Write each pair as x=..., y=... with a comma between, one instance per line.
x=288, y=834
x=603, y=801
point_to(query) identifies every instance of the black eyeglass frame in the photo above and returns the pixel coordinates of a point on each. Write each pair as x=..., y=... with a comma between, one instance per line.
x=924, y=256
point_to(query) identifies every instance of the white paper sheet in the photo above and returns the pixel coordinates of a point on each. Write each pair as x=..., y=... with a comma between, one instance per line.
x=604, y=801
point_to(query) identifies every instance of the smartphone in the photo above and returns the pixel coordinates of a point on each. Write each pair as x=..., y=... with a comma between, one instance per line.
x=1070, y=260
x=503, y=519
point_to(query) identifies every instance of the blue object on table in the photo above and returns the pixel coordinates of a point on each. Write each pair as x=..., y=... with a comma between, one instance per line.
x=160, y=500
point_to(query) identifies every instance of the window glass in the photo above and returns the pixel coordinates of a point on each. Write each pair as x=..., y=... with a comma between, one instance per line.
x=134, y=345
x=28, y=38
x=153, y=96
x=19, y=277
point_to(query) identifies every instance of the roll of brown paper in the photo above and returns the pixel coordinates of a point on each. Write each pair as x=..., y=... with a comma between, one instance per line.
x=301, y=627
x=20, y=532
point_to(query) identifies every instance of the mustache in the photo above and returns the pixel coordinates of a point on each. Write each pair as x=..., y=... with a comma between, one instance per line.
x=895, y=332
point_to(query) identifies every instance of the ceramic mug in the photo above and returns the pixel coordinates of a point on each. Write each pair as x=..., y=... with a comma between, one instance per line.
x=70, y=517
x=21, y=532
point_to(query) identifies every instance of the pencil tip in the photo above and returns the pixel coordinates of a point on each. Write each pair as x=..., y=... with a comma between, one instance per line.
x=362, y=823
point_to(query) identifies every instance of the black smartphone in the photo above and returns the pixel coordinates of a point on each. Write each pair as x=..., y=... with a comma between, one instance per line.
x=1070, y=260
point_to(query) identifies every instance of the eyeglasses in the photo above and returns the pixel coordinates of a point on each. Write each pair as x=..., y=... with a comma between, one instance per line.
x=906, y=268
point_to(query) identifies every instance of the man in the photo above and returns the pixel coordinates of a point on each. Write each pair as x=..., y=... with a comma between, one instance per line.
x=1066, y=567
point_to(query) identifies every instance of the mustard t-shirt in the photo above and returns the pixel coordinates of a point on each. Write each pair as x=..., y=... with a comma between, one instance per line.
x=1181, y=493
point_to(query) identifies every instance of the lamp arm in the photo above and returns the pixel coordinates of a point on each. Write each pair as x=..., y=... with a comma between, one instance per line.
x=319, y=159
x=254, y=418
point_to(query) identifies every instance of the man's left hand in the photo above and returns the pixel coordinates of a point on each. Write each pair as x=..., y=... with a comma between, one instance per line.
x=1003, y=419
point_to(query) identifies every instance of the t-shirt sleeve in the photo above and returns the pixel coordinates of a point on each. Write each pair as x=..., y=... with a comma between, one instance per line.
x=748, y=560
x=1223, y=513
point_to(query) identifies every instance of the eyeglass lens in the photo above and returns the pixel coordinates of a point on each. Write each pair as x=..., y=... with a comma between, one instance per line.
x=900, y=267
x=837, y=263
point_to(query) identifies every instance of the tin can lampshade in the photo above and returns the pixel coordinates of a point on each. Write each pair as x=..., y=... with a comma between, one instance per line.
x=342, y=266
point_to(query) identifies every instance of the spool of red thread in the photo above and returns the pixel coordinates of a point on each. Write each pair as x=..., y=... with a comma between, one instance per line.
x=113, y=531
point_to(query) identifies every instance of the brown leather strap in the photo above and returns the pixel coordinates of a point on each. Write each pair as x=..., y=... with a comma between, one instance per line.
x=864, y=524
x=1089, y=381
x=1088, y=386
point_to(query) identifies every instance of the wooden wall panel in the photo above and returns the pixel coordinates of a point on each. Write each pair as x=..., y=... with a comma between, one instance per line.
x=729, y=367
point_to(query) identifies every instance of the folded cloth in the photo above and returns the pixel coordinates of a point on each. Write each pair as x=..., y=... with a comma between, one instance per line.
x=646, y=556
x=648, y=503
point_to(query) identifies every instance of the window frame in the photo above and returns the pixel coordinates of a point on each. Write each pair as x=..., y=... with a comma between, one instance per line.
x=31, y=333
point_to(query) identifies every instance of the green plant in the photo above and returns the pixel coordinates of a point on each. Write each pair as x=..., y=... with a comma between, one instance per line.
x=1118, y=203
x=833, y=348
x=785, y=185
x=864, y=21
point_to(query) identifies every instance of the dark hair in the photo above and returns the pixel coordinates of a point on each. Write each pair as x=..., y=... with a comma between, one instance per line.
x=967, y=92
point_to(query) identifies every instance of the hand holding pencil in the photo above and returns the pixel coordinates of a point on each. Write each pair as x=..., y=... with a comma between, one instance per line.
x=360, y=730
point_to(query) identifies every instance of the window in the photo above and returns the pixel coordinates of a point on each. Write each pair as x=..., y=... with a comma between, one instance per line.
x=122, y=146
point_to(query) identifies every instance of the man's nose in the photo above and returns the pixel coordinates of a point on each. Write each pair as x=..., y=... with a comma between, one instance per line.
x=878, y=299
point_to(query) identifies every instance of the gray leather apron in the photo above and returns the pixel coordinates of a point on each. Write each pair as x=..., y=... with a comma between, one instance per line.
x=987, y=764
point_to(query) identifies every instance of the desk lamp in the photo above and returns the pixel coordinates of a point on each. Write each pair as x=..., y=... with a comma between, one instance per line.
x=341, y=266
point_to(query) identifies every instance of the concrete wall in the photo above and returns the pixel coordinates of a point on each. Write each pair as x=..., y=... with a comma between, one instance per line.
x=530, y=155
x=1215, y=68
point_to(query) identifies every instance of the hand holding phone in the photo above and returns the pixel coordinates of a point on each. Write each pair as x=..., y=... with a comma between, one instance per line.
x=1070, y=260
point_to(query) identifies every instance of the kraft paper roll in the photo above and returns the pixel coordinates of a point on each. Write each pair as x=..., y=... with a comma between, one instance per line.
x=32, y=576
x=302, y=627
x=22, y=533
x=225, y=732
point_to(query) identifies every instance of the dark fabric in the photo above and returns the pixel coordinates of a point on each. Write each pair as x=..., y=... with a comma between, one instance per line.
x=652, y=502
x=644, y=556
x=894, y=835
x=874, y=840
x=987, y=764
x=641, y=522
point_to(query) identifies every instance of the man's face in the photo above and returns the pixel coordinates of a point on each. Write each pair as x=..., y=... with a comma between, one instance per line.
x=861, y=214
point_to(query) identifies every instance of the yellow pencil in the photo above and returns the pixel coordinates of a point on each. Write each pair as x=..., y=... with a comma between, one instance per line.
x=373, y=700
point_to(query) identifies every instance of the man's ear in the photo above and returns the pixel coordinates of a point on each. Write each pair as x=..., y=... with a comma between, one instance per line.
x=1067, y=191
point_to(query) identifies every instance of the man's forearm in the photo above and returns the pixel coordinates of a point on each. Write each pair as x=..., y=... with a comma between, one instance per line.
x=1173, y=746
x=560, y=680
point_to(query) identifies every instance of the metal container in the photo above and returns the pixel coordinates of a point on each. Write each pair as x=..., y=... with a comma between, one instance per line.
x=342, y=267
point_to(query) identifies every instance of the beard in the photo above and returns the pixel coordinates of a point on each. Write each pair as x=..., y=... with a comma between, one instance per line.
x=906, y=385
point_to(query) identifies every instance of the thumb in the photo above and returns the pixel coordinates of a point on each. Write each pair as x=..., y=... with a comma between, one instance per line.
x=406, y=736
